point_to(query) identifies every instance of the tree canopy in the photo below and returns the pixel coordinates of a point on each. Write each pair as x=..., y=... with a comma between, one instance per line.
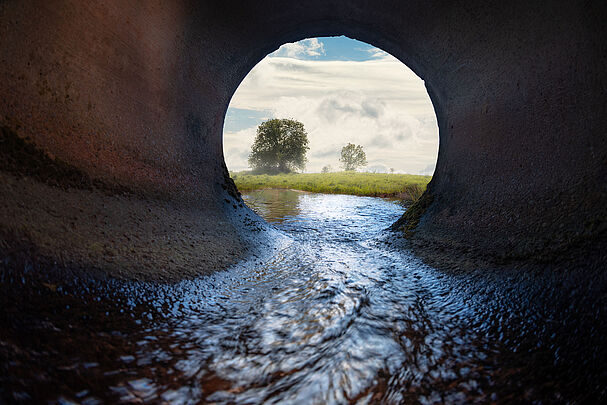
x=280, y=146
x=352, y=156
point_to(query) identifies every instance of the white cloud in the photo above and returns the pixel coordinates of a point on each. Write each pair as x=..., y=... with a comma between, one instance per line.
x=378, y=53
x=378, y=103
x=305, y=48
x=237, y=146
x=429, y=170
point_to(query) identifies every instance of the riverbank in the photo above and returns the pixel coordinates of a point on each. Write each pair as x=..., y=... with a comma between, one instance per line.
x=405, y=186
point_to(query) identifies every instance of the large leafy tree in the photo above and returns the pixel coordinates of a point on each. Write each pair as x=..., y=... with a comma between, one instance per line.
x=279, y=147
x=352, y=156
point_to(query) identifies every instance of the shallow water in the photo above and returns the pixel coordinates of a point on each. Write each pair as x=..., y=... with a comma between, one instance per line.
x=335, y=316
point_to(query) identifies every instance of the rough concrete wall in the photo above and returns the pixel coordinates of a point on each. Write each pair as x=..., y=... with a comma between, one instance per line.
x=135, y=93
x=109, y=87
x=522, y=163
x=115, y=96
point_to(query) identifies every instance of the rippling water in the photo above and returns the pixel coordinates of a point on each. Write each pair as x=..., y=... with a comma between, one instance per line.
x=335, y=316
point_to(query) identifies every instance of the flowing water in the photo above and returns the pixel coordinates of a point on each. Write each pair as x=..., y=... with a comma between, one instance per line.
x=333, y=316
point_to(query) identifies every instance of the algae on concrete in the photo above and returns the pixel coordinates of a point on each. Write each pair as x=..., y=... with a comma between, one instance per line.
x=410, y=219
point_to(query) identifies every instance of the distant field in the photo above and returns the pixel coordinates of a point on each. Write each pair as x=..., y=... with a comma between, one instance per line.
x=405, y=186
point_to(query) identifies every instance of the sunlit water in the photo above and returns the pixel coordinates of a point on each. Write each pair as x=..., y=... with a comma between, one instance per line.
x=335, y=316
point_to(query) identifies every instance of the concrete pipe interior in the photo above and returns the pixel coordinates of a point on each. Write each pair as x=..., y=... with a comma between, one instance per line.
x=112, y=118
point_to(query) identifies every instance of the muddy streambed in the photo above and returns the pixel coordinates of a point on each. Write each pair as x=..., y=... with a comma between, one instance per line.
x=333, y=316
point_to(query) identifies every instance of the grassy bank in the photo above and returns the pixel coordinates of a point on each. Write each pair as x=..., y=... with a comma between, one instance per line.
x=405, y=186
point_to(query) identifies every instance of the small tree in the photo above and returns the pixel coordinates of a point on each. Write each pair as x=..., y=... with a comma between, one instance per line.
x=352, y=156
x=326, y=169
x=279, y=147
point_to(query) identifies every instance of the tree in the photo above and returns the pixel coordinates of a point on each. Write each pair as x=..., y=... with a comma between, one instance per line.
x=352, y=156
x=279, y=147
x=326, y=169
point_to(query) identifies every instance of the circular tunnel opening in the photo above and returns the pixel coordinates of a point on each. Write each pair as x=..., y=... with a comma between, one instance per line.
x=343, y=91
x=124, y=183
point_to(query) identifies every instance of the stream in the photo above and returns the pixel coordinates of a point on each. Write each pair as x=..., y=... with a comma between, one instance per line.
x=334, y=316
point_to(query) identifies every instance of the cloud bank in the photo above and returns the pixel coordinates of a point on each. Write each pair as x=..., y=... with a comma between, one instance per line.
x=378, y=103
x=308, y=47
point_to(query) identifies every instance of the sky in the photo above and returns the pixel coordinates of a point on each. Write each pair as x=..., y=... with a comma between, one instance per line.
x=343, y=91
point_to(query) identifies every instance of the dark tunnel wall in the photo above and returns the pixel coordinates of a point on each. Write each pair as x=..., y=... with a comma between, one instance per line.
x=134, y=94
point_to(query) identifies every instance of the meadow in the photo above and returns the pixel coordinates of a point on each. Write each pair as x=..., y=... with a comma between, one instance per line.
x=404, y=186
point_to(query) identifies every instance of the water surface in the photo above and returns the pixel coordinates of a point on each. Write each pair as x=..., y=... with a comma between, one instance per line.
x=334, y=316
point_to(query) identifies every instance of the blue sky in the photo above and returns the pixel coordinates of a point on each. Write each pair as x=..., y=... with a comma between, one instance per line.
x=343, y=91
x=339, y=48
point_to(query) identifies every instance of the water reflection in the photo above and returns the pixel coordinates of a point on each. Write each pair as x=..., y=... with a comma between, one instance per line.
x=274, y=205
x=332, y=317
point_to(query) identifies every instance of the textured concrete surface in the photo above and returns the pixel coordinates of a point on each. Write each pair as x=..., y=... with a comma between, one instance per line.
x=123, y=236
x=134, y=94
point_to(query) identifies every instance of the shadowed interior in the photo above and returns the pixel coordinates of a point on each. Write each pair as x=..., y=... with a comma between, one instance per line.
x=134, y=96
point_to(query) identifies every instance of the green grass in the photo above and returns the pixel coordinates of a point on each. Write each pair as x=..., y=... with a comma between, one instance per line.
x=404, y=186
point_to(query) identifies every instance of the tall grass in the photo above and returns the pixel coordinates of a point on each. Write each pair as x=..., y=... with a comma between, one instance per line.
x=405, y=186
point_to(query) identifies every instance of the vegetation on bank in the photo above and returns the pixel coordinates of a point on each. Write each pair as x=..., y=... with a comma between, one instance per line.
x=408, y=187
x=280, y=146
